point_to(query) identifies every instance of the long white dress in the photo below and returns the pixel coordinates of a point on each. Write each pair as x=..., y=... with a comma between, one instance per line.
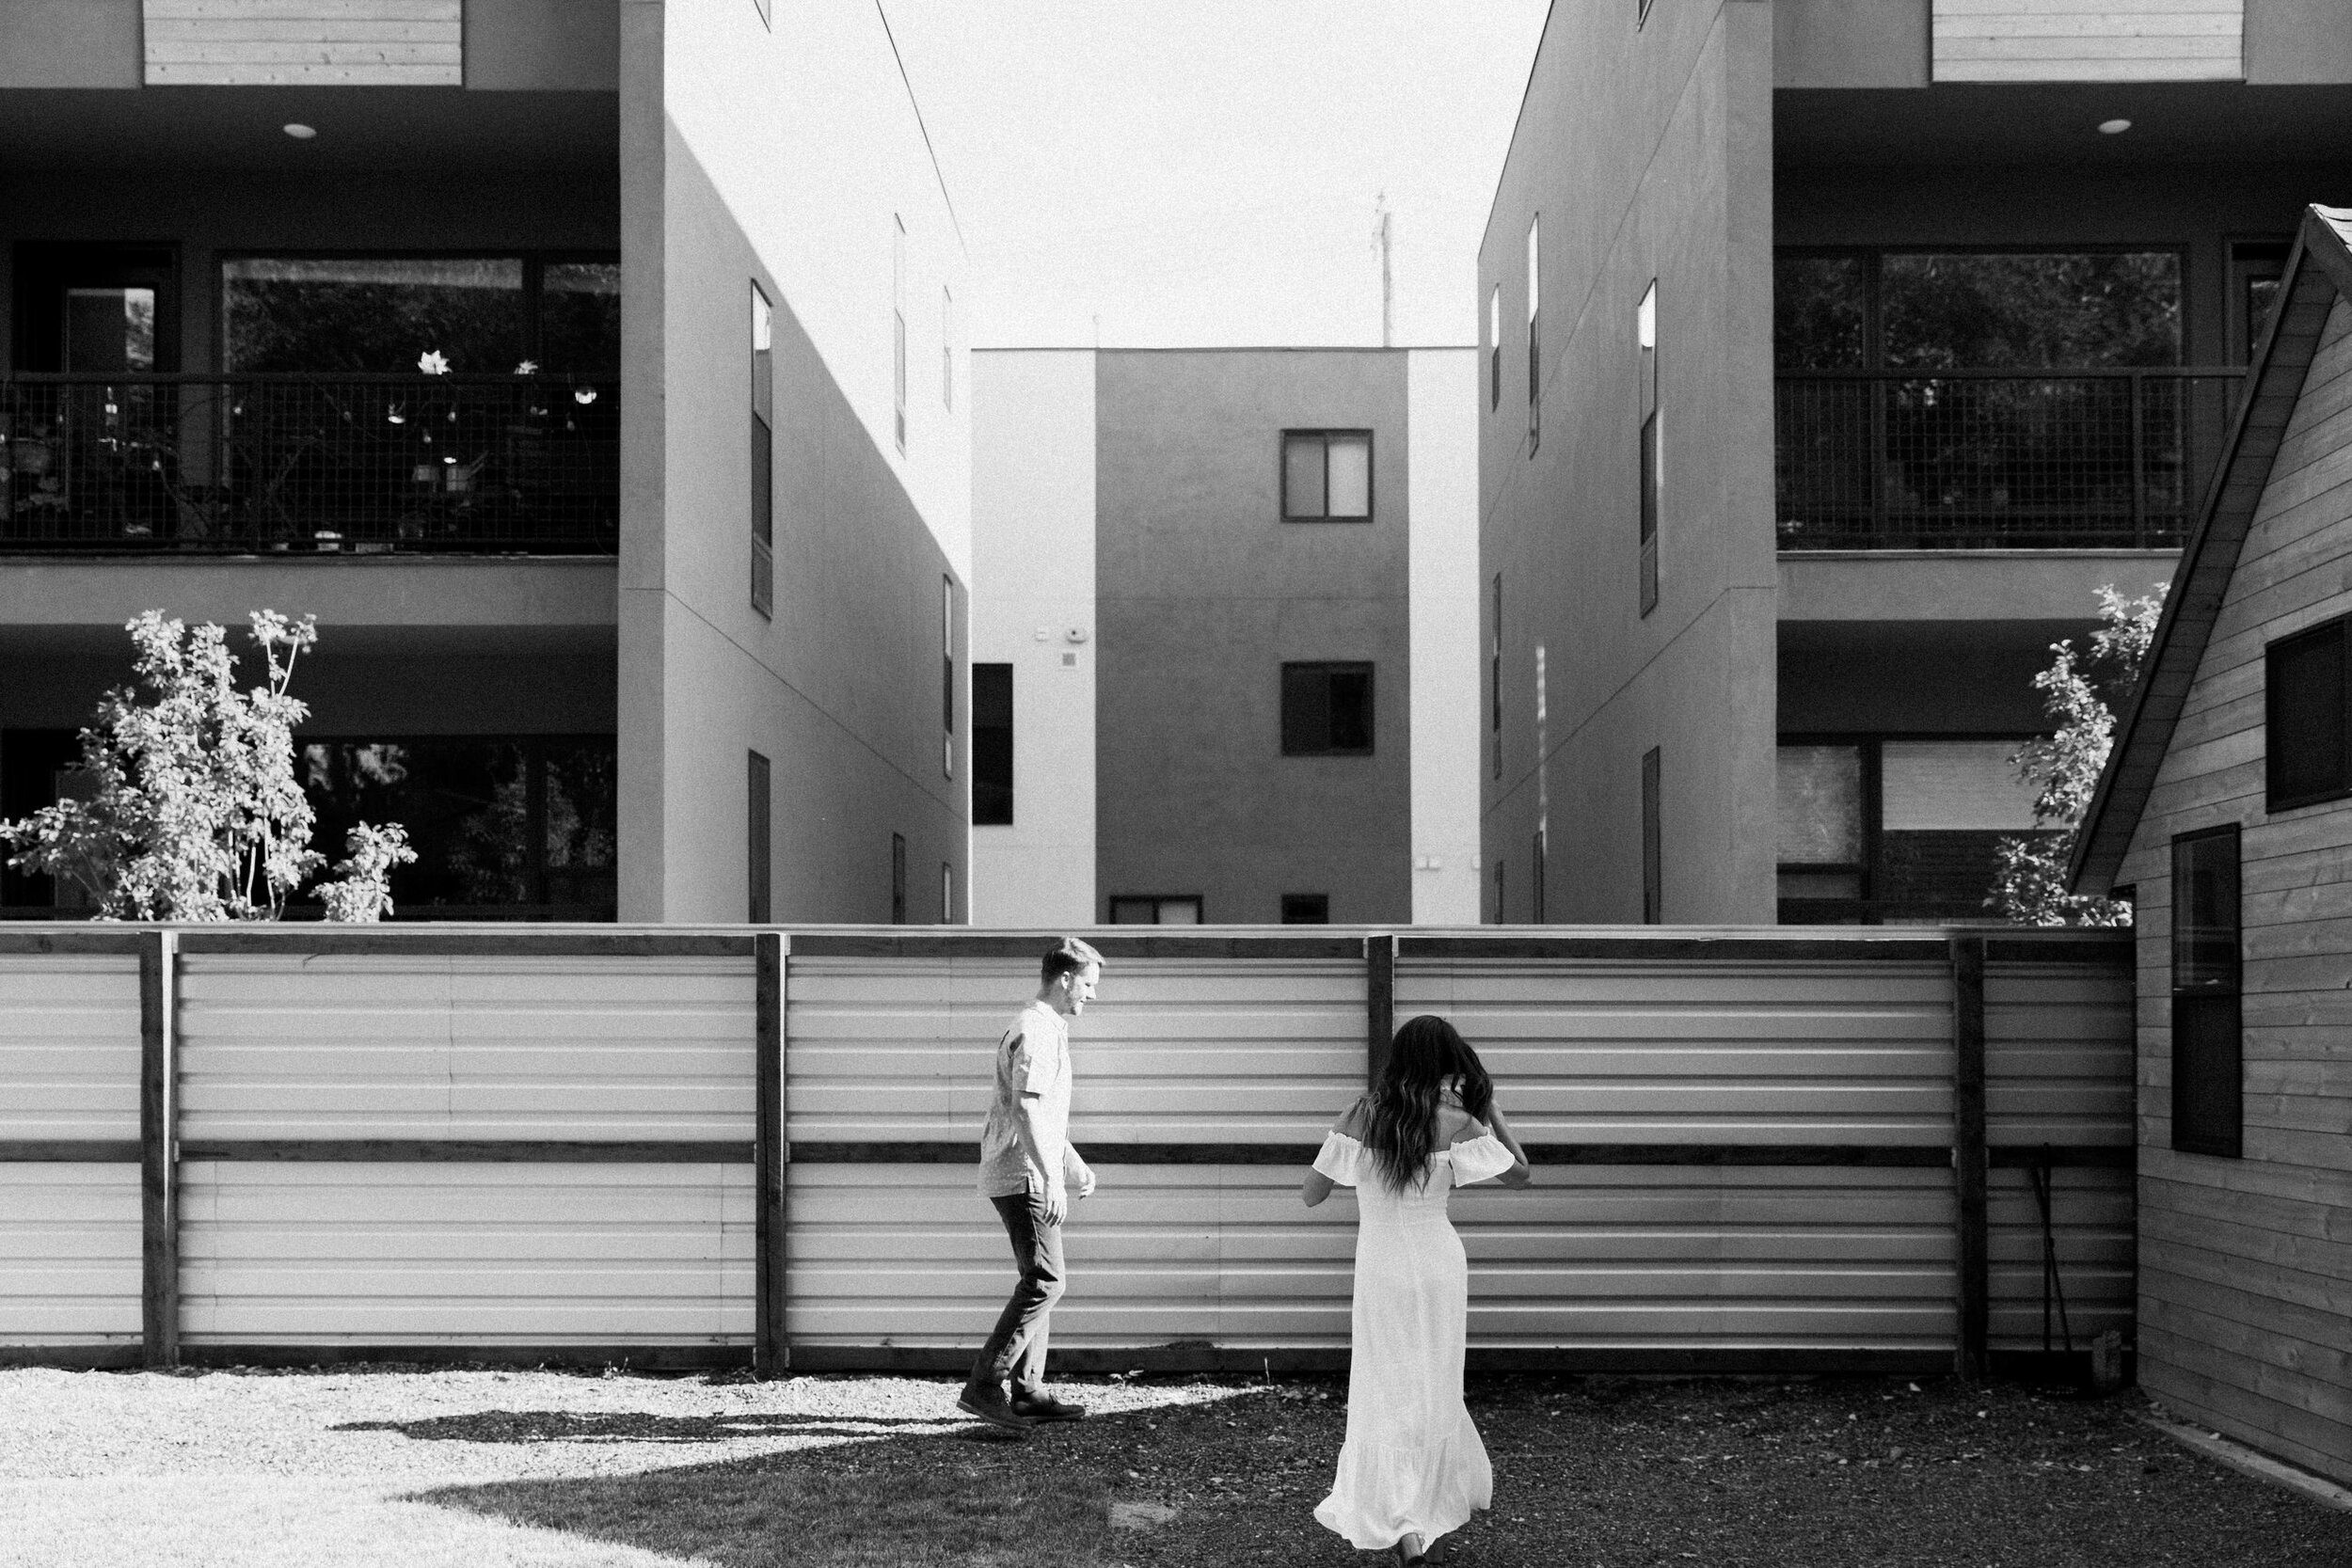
x=1412, y=1463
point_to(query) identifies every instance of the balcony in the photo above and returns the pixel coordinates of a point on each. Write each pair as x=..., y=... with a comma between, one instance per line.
x=243, y=464
x=1974, y=460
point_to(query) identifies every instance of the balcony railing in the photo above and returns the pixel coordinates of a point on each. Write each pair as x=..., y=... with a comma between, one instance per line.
x=1994, y=460
x=358, y=463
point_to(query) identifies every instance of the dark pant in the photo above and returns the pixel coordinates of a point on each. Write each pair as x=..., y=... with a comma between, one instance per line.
x=1016, y=1349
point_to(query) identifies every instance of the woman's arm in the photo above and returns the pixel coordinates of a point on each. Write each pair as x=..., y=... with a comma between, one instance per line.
x=1317, y=1186
x=1521, y=1174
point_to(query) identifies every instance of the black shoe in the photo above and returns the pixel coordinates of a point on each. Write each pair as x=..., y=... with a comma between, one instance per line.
x=990, y=1405
x=1042, y=1406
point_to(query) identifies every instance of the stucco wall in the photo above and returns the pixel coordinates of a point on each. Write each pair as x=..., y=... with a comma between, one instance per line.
x=1648, y=154
x=1442, y=392
x=1203, y=592
x=1033, y=520
x=1850, y=44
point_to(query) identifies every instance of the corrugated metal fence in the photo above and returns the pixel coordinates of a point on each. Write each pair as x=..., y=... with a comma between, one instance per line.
x=1756, y=1150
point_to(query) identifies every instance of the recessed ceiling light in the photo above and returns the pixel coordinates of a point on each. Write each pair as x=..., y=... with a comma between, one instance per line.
x=301, y=131
x=2106, y=127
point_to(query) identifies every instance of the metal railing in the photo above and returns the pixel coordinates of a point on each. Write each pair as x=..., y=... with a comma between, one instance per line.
x=1995, y=459
x=358, y=463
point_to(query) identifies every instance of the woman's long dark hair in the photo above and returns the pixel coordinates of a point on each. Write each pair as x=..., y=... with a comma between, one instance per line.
x=1401, y=1127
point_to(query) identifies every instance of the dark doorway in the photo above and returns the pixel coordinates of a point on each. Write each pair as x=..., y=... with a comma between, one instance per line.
x=97, y=309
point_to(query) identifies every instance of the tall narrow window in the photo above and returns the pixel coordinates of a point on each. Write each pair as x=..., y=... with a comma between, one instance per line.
x=948, y=676
x=763, y=443
x=899, y=328
x=992, y=745
x=947, y=893
x=2307, y=717
x=1535, y=869
x=2207, y=1073
x=1652, y=456
x=946, y=349
x=1535, y=333
x=1653, y=868
x=1494, y=347
x=897, y=879
x=1327, y=476
x=1499, y=914
x=757, y=840
x=1494, y=679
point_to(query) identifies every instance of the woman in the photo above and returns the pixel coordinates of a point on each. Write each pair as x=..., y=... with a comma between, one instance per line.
x=1412, y=1467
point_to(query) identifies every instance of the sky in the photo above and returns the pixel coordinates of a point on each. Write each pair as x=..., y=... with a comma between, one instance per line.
x=1148, y=174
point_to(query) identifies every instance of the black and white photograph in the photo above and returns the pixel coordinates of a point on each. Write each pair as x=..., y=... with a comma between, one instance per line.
x=1085, y=783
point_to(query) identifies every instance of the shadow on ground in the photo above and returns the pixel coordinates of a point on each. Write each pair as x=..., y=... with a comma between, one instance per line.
x=565, y=1426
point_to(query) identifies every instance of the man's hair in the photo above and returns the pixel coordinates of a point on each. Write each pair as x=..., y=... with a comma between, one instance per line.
x=1068, y=956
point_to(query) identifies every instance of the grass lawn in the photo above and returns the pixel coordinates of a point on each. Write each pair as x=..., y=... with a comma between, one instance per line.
x=1609, y=1472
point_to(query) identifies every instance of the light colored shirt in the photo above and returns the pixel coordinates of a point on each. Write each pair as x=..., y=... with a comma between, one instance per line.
x=1032, y=1058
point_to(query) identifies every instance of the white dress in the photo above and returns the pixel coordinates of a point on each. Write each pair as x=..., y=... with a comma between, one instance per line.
x=1412, y=1463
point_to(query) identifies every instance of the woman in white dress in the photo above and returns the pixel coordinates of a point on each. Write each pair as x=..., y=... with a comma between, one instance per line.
x=1412, y=1467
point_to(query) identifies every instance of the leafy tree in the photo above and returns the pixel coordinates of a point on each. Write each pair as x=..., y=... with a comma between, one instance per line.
x=2081, y=693
x=184, y=806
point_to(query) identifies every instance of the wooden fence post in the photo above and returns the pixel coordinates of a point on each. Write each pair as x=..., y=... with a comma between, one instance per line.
x=159, y=1153
x=770, y=1353
x=1379, y=1003
x=1972, y=1281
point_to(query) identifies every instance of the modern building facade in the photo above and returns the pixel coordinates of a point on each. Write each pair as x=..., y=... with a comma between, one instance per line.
x=592, y=370
x=2226, y=810
x=1223, y=643
x=1835, y=354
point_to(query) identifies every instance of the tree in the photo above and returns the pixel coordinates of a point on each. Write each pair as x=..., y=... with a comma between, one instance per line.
x=184, y=806
x=2081, y=693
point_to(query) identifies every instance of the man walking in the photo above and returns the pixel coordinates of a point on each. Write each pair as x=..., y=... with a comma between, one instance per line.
x=1027, y=1169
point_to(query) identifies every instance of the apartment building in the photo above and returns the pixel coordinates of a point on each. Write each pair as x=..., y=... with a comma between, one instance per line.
x=1224, y=637
x=1835, y=354
x=591, y=369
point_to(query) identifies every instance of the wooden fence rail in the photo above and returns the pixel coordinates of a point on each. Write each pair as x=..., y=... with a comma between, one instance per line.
x=1759, y=1150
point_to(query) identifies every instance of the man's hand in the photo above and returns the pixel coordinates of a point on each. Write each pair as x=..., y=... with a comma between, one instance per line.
x=1054, y=1206
x=1085, y=1181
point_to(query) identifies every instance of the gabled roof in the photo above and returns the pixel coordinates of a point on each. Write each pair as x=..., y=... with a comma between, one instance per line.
x=2317, y=274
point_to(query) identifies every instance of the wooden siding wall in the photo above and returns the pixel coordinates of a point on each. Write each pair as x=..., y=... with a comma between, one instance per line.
x=2246, y=1265
x=2090, y=41
x=69, y=1087
x=448, y=1143
x=416, y=44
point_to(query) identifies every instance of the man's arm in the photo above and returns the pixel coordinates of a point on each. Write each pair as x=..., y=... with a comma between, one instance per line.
x=1033, y=1142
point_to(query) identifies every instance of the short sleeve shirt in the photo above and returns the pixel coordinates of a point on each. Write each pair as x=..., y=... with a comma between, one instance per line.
x=1032, y=1058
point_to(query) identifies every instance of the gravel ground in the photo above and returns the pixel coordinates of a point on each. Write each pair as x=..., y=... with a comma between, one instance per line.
x=259, y=1468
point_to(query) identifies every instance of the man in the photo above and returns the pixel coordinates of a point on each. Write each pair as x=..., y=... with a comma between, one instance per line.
x=1027, y=1169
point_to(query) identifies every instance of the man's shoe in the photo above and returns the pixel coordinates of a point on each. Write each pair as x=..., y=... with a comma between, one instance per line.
x=1042, y=1406
x=989, y=1405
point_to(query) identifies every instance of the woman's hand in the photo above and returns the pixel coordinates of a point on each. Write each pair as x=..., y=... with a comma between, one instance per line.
x=1521, y=1174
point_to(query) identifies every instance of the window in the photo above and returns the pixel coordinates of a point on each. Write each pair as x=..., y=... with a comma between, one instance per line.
x=1883, y=828
x=1494, y=678
x=947, y=893
x=1306, y=908
x=756, y=839
x=761, y=5
x=483, y=314
x=1327, y=710
x=1494, y=347
x=1653, y=867
x=501, y=825
x=763, y=454
x=897, y=879
x=2307, y=717
x=948, y=676
x=2256, y=268
x=946, y=350
x=1651, y=455
x=2207, y=1084
x=1327, y=475
x=1499, y=890
x=1535, y=335
x=898, y=328
x=992, y=745
x=1537, y=856
x=1156, y=909
x=1640, y=12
